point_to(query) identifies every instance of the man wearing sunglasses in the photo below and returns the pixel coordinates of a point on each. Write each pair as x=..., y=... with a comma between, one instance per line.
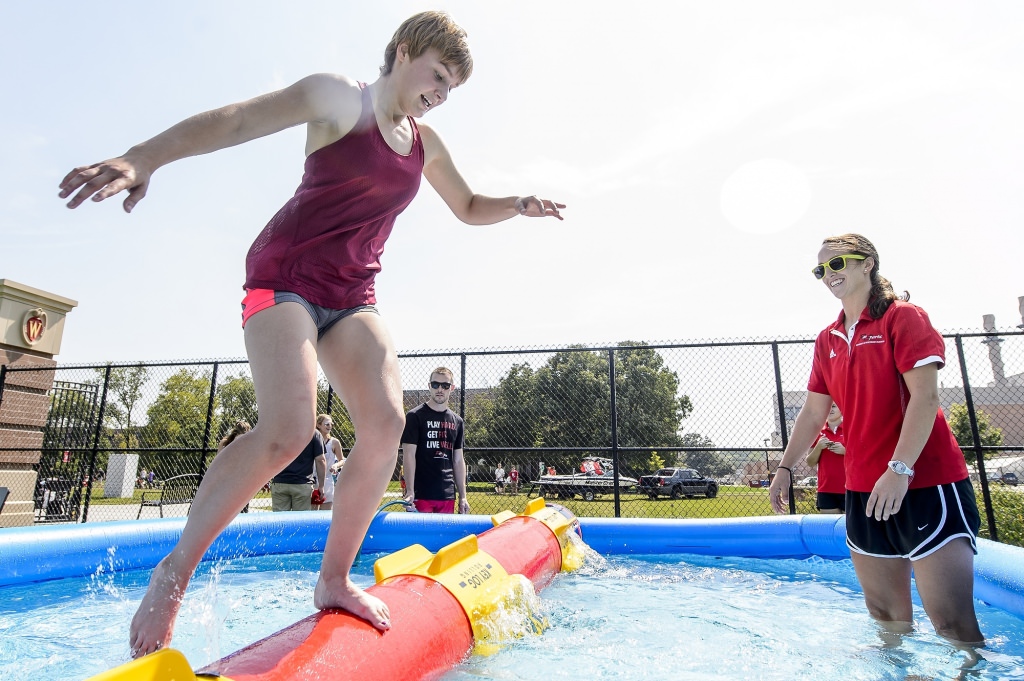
x=432, y=455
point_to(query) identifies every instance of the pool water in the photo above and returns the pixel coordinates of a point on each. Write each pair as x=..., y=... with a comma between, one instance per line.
x=621, y=618
x=75, y=628
x=698, y=617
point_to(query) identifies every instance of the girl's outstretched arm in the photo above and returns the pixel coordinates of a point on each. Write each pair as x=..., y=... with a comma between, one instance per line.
x=474, y=209
x=324, y=98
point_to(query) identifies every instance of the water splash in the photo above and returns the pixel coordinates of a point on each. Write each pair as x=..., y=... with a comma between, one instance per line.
x=517, y=614
x=204, y=609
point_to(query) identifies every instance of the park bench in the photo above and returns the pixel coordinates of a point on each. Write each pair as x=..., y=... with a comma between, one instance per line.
x=181, y=489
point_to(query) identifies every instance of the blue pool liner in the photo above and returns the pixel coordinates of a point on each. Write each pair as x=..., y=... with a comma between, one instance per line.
x=34, y=554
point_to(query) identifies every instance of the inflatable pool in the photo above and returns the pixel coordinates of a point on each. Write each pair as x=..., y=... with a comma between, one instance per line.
x=56, y=552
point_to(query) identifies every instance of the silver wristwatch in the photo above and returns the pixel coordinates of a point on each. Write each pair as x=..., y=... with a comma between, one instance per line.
x=900, y=468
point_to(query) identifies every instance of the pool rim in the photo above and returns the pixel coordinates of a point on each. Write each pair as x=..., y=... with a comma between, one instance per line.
x=42, y=553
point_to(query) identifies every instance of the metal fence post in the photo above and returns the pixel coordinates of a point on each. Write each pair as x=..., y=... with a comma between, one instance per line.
x=782, y=420
x=615, y=432
x=96, y=435
x=77, y=413
x=92, y=464
x=979, y=455
x=462, y=385
x=209, y=420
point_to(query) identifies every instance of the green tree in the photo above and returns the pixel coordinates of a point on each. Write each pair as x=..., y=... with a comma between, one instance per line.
x=71, y=421
x=960, y=423
x=124, y=393
x=70, y=427
x=236, y=402
x=567, y=403
x=655, y=462
x=708, y=460
x=572, y=398
x=649, y=410
x=177, y=419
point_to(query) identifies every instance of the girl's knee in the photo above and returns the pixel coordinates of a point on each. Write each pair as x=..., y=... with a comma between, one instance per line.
x=386, y=427
x=282, y=444
x=961, y=630
x=890, y=613
x=396, y=423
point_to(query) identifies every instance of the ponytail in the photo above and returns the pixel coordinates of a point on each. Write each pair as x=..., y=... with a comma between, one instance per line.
x=240, y=428
x=882, y=294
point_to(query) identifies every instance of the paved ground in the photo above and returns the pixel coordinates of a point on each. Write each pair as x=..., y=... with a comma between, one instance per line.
x=99, y=513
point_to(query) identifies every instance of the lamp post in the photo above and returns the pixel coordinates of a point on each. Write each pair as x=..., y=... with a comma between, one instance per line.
x=767, y=466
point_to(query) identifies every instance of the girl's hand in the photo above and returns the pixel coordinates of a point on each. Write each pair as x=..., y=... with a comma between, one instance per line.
x=102, y=180
x=533, y=207
x=886, y=498
x=778, y=493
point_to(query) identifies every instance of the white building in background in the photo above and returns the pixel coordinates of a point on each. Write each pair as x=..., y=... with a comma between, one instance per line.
x=1001, y=399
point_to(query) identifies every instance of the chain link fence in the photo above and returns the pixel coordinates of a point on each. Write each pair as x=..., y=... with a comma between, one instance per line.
x=583, y=425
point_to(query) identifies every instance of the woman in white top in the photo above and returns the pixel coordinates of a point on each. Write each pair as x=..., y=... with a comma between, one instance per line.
x=335, y=458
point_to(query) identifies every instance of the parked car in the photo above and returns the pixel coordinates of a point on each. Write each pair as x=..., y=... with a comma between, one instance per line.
x=1008, y=479
x=677, y=483
x=809, y=481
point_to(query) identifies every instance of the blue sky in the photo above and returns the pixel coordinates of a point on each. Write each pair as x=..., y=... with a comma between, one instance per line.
x=703, y=149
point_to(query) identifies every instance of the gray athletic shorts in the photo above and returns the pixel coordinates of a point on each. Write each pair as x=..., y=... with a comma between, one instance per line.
x=259, y=299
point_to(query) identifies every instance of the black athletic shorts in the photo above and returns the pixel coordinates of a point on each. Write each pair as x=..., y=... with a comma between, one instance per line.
x=831, y=501
x=929, y=518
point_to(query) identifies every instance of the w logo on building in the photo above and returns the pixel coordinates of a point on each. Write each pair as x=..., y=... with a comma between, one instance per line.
x=34, y=325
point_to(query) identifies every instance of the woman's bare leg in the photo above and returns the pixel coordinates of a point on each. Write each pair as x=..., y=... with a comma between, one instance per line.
x=945, y=582
x=886, y=586
x=360, y=362
x=280, y=342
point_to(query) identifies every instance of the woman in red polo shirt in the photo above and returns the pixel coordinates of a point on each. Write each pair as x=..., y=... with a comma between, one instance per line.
x=909, y=505
x=827, y=455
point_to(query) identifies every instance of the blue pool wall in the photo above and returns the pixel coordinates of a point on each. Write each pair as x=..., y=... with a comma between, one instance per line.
x=33, y=554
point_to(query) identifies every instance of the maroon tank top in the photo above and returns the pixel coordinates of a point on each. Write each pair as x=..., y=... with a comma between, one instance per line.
x=325, y=243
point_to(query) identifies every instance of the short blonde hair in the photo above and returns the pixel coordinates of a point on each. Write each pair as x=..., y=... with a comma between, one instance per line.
x=432, y=30
x=446, y=371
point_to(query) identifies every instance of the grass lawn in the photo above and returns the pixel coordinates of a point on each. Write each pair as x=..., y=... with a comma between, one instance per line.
x=731, y=502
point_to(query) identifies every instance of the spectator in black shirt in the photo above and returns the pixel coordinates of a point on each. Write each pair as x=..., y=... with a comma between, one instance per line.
x=432, y=451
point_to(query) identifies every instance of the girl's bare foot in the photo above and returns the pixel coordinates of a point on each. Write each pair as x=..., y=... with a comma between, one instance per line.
x=342, y=593
x=153, y=622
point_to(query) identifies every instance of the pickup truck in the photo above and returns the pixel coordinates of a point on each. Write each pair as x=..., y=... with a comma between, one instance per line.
x=677, y=483
x=594, y=479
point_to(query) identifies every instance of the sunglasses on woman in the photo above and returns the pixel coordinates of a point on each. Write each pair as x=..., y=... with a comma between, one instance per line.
x=836, y=264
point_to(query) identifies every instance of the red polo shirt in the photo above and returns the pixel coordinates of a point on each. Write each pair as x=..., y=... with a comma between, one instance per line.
x=831, y=473
x=864, y=376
